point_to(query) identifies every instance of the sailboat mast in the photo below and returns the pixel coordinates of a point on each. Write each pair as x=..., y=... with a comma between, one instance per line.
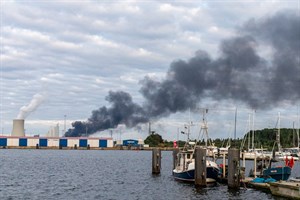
x=189, y=124
x=298, y=125
x=204, y=127
x=253, y=116
x=294, y=138
x=278, y=133
x=249, y=135
x=235, y=126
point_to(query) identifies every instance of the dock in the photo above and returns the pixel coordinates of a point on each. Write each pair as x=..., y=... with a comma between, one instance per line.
x=286, y=189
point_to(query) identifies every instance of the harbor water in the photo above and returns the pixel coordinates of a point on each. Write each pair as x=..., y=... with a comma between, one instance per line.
x=96, y=174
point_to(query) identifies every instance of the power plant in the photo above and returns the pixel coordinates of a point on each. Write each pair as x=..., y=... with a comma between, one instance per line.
x=18, y=128
x=53, y=132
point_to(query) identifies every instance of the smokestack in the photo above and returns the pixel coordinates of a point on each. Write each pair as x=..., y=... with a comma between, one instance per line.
x=18, y=128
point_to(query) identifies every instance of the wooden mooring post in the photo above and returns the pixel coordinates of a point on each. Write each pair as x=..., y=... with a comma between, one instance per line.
x=224, y=165
x=200, y=167
x=255, y=167
x=156, y=160
x=175, y=158
x=233, y=168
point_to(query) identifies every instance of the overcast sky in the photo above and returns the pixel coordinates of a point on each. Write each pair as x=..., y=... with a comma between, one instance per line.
x=67, y=55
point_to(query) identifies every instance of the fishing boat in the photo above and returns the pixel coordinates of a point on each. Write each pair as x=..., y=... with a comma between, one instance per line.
x=185, y=165
x=185, y=168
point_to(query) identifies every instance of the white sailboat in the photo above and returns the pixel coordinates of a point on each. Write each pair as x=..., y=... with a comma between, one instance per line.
x=287, y=153
x=253, y=153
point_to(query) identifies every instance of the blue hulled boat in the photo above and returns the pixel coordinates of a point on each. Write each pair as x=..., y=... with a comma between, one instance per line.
x=185, y=168
x=278, y=173
x=185, y=162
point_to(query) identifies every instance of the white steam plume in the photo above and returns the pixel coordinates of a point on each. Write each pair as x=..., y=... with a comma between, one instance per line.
x=32, y=106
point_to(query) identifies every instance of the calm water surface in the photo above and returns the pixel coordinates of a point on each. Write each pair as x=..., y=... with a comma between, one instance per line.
x=83, y=174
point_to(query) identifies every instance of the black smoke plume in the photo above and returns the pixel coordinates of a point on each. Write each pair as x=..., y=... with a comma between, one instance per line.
x=240, y=74
x=122, y=111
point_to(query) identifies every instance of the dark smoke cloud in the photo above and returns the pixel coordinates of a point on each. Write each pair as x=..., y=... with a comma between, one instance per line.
x=282, y=32
x=122, y=111
x=239, y=74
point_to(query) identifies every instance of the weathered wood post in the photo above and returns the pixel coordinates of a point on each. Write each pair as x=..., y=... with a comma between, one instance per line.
x=224, y=165
x=37, y=146
x=255, y=160
x=156, y=160
x=243, y=168
x=200, y=167
x=244, y=159
x=233, y=168
x=175, y=158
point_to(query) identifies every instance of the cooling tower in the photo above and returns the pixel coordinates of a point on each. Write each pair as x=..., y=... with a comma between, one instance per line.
x=18, y=128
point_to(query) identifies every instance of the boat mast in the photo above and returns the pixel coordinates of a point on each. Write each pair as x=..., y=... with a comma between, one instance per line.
x=298, y=125
x=294, y=138
x=189, y=124
x=249, y=135
x=278, y=134
x=253, y=115
x=204, y=126
x=235, y=126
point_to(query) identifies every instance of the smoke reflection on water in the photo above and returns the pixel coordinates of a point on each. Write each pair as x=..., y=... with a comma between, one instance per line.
x=82, y=174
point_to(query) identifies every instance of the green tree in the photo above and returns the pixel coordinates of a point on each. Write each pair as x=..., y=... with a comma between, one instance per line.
x=154, y=140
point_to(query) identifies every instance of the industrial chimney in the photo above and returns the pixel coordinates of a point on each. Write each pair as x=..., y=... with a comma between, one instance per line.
x=18, y=128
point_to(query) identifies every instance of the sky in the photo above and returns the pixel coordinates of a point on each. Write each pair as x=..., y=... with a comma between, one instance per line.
x=115, y=66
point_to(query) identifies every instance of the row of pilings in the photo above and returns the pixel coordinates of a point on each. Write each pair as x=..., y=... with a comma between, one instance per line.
x=233, y=177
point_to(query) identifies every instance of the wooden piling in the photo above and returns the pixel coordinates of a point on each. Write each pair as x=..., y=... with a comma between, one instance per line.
x=233, y=168
x=224, y=165
x=37, y=146
x=255, y=160
x=175, y=158
x=200, y=167
x=244, y=159
x=75, y=146
x=156, y=161
x=243, y=168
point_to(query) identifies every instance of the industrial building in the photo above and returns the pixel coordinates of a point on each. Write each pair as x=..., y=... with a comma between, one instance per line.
x=19, y=140
x=52, y=142
x=131, y=142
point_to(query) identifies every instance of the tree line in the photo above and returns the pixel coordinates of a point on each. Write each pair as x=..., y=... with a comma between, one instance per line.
x=262, y=138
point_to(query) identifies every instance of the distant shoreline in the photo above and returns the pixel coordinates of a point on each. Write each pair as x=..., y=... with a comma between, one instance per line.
x=92, y=148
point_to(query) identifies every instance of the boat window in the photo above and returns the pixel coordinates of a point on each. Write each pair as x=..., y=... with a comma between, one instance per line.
x=188, y=156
